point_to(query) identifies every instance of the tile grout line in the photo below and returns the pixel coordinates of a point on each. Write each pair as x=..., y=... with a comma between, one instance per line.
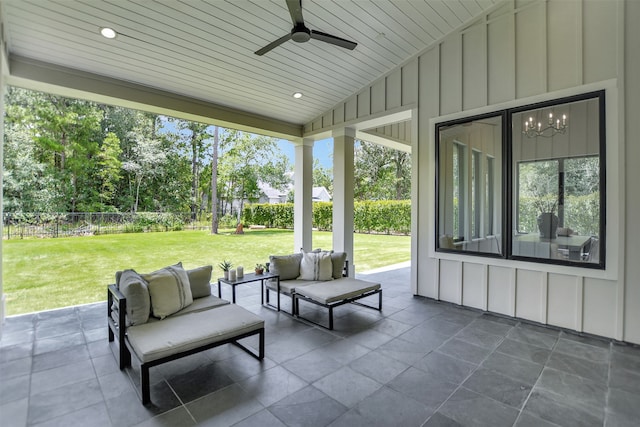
x=470, y=374
x=182, y=404
x=524, y=404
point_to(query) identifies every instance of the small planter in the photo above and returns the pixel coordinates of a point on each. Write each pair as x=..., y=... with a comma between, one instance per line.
x=225, y=266
x=259, y=270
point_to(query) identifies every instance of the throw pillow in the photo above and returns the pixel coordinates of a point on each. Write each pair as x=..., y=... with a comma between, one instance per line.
x=316, y=266
x=199, y=279
x=287, y=266
x=134, y=288
x=337, y=261
x=169, y=289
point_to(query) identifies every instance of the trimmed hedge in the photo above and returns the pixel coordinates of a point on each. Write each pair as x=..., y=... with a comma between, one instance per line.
x=384, y=216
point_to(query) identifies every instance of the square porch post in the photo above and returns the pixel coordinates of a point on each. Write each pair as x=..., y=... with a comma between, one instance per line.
x=303, y=195
x=343, y=141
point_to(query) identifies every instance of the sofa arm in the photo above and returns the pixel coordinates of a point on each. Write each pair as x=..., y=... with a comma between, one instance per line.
x=117, y=324
x=115, y=296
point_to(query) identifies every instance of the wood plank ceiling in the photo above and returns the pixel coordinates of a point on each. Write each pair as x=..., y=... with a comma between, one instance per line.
x=205, y=49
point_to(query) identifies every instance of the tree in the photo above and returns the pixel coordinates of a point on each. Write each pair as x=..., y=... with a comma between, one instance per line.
x=64, y=136
x=322, y=177
x=192, y=136
x=109, y=167
x=26, y=185
x=214, y=181
x=65, y=155
x=381, y=173
x=70, y=131
x=246, y=160
x=146, y=160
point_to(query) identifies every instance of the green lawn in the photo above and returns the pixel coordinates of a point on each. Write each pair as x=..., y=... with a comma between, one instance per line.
x=42, y=274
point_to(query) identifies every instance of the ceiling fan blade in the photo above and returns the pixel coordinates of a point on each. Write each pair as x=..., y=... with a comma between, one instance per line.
x=272, y=45
x=347, y=44
x=295, y=9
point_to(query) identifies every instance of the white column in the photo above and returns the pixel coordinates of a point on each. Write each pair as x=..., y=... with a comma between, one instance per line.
x=343, y=140
x=303, y=195
x=3, y=71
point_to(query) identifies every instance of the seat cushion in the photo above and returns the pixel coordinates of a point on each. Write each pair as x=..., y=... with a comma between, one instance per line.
x=134, y=288
x=288, y=286
x=316, y=266
x=199, y=280
x=337, y=290
x=203, y=303
x=156, y=340
x=169, y=289
x=286, y=266
x=337, y=262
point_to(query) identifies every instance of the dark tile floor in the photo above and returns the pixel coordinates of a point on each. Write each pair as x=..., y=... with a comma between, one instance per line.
x=419, y=362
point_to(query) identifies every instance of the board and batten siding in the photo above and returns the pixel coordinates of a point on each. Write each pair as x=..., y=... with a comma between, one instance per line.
x=520, y=52
x=397, y=91
x=523, y=52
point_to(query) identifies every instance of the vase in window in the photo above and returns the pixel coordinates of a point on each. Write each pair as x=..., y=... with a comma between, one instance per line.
x=548, y=225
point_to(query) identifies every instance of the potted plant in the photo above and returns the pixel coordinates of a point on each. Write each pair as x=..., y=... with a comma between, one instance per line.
x=259, y=268
x=547, y=219
x=225, y=266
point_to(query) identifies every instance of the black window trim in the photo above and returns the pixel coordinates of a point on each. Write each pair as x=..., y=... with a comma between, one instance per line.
x=503, y=116
x=508, y=179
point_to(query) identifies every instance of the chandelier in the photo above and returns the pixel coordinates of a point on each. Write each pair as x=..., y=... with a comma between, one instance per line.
x=551, y=128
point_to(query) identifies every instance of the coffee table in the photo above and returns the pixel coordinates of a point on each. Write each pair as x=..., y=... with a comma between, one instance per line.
x=248, y=278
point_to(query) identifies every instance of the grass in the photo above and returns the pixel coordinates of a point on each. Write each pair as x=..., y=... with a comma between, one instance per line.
x=43, y=274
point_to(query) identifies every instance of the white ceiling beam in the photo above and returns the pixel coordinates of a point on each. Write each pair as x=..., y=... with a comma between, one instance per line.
x=41, y=76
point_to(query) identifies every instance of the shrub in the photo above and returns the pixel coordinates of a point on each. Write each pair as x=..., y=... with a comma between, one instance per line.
x=384, y=216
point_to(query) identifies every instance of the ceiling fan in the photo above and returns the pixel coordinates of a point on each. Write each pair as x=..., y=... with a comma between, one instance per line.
x=300, y=33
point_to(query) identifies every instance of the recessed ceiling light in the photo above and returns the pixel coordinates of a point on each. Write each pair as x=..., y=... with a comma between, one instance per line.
x=109, y=33
x=297, y=95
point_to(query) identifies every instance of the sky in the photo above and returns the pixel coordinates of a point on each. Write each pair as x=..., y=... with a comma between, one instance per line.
x=322, y=150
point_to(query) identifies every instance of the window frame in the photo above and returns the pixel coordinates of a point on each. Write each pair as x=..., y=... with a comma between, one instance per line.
x=467, y=157
x=508, y=180
x=510, y=177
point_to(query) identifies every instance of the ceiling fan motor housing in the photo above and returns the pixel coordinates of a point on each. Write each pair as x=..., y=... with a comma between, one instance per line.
x=300, y=34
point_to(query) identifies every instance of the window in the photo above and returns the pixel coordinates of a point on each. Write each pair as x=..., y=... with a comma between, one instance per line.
x=530, y=190
x=556, y=158
x=468, y=199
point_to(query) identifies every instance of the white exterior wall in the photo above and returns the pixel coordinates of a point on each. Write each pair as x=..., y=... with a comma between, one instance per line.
x=523, y=52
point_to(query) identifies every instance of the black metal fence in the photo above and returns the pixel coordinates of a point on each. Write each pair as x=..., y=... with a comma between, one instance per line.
x=42, y=225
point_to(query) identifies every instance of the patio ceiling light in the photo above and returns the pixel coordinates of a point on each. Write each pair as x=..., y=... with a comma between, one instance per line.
x=108, y=33
x=297, y=95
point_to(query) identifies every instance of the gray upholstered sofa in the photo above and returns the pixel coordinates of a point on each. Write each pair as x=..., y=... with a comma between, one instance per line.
x=320, y=278
x=169, y=314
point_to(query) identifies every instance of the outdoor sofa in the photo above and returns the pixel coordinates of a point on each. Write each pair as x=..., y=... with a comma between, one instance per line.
x=321, y=278
x=169, y=314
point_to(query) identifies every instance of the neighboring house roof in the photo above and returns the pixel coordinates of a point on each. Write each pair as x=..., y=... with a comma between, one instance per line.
x=273, y=193
x=320, y=194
